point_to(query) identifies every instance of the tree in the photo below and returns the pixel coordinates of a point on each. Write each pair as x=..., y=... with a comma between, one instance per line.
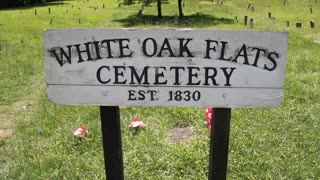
x=159, y=2
x=148, y=2
x=180, y=9
x=159, y=9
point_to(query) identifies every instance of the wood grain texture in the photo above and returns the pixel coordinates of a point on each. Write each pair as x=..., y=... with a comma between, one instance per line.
x=231, y=73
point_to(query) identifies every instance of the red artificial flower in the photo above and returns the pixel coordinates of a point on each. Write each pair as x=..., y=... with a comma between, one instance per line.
x=81, y=132
x=209, y=117
x=136, y=123
x=208, y=112
x=208, y=123
x=84, y=128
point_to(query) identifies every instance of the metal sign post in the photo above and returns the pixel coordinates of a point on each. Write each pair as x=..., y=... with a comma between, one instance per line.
x=219, y=142
x=112, y=147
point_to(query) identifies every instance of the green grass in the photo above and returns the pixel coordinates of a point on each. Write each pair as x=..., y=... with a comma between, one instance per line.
x=279, y=143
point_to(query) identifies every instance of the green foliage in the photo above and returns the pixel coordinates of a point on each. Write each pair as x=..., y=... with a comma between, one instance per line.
x=17, y=3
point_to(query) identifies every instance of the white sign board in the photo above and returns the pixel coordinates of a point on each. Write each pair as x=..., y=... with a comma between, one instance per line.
x=165, y=67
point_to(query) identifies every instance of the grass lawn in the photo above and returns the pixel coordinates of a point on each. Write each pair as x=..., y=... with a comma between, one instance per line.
x=36, y=136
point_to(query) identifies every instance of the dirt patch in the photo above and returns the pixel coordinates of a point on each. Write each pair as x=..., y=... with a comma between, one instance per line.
x=21, y=106
x=5, y=121
x=180, y=134
x=312, y=36
x=7, y=113
x=4, y=133
x=207, y=2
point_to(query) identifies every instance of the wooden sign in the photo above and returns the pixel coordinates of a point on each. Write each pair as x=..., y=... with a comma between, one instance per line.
x=165, y=67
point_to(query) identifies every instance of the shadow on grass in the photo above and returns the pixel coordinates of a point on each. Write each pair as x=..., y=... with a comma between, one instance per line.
x=48, y=3
x=199, y=20
x=51, y=4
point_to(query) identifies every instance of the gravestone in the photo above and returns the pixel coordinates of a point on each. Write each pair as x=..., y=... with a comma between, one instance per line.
x=245, y=22
x=139, y=13
x=312, y=24
x=298, y=24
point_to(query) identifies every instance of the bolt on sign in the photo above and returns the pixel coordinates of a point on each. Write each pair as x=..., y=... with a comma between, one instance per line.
x=165, y=67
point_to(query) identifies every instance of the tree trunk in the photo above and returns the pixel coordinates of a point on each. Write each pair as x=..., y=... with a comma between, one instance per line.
x=159, y=9
x=180, y=9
